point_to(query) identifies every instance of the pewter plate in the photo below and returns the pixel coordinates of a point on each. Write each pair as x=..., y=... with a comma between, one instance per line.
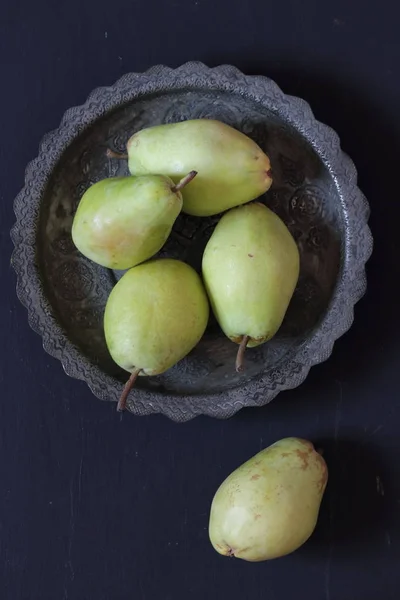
x=314, y=191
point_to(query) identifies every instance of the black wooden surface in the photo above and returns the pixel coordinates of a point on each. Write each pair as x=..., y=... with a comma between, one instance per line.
x=95, y=506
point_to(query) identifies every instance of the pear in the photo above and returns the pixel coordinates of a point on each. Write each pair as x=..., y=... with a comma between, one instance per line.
x=250, y=270
x=123, y=221
x=232, y=168
x=154, y=316
x=269, y=506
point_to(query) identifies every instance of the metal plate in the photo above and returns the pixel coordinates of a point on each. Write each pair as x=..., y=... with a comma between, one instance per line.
x=314, y=191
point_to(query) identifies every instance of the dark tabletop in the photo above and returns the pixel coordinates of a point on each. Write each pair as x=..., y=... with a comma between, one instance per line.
x=95, y=506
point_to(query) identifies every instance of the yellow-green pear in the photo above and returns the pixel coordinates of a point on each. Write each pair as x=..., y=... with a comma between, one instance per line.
x=232, y=168
x=123, y=221
x=154, y=316
x=269, y=506
x=250, y=270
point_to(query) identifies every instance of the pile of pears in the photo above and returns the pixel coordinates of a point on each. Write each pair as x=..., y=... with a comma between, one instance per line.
x=159, y=309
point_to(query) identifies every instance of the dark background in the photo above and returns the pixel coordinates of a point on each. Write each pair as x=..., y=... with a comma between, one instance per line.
x=95, y=506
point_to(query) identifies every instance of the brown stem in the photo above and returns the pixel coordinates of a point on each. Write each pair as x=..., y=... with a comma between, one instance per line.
x=240, y=353
x=128, y=387
x=111, y=154
x=183, y=182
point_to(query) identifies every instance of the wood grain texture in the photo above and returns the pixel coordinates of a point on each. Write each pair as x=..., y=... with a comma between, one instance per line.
x=99, y=506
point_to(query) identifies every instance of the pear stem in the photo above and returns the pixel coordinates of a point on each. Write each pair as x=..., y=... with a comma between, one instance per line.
x=183, y=182
x=240, y=353
x=128, y=387
x=111, y=154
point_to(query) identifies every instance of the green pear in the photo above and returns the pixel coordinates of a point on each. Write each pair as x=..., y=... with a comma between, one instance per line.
x=250, y=270
x=232, y=169
x=154, y=316
x=123, y=221
x=269, y=506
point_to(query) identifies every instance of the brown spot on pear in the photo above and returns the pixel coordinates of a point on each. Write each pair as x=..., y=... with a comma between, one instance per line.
x=275, y=514
x=323, y=480
x=304, y=457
